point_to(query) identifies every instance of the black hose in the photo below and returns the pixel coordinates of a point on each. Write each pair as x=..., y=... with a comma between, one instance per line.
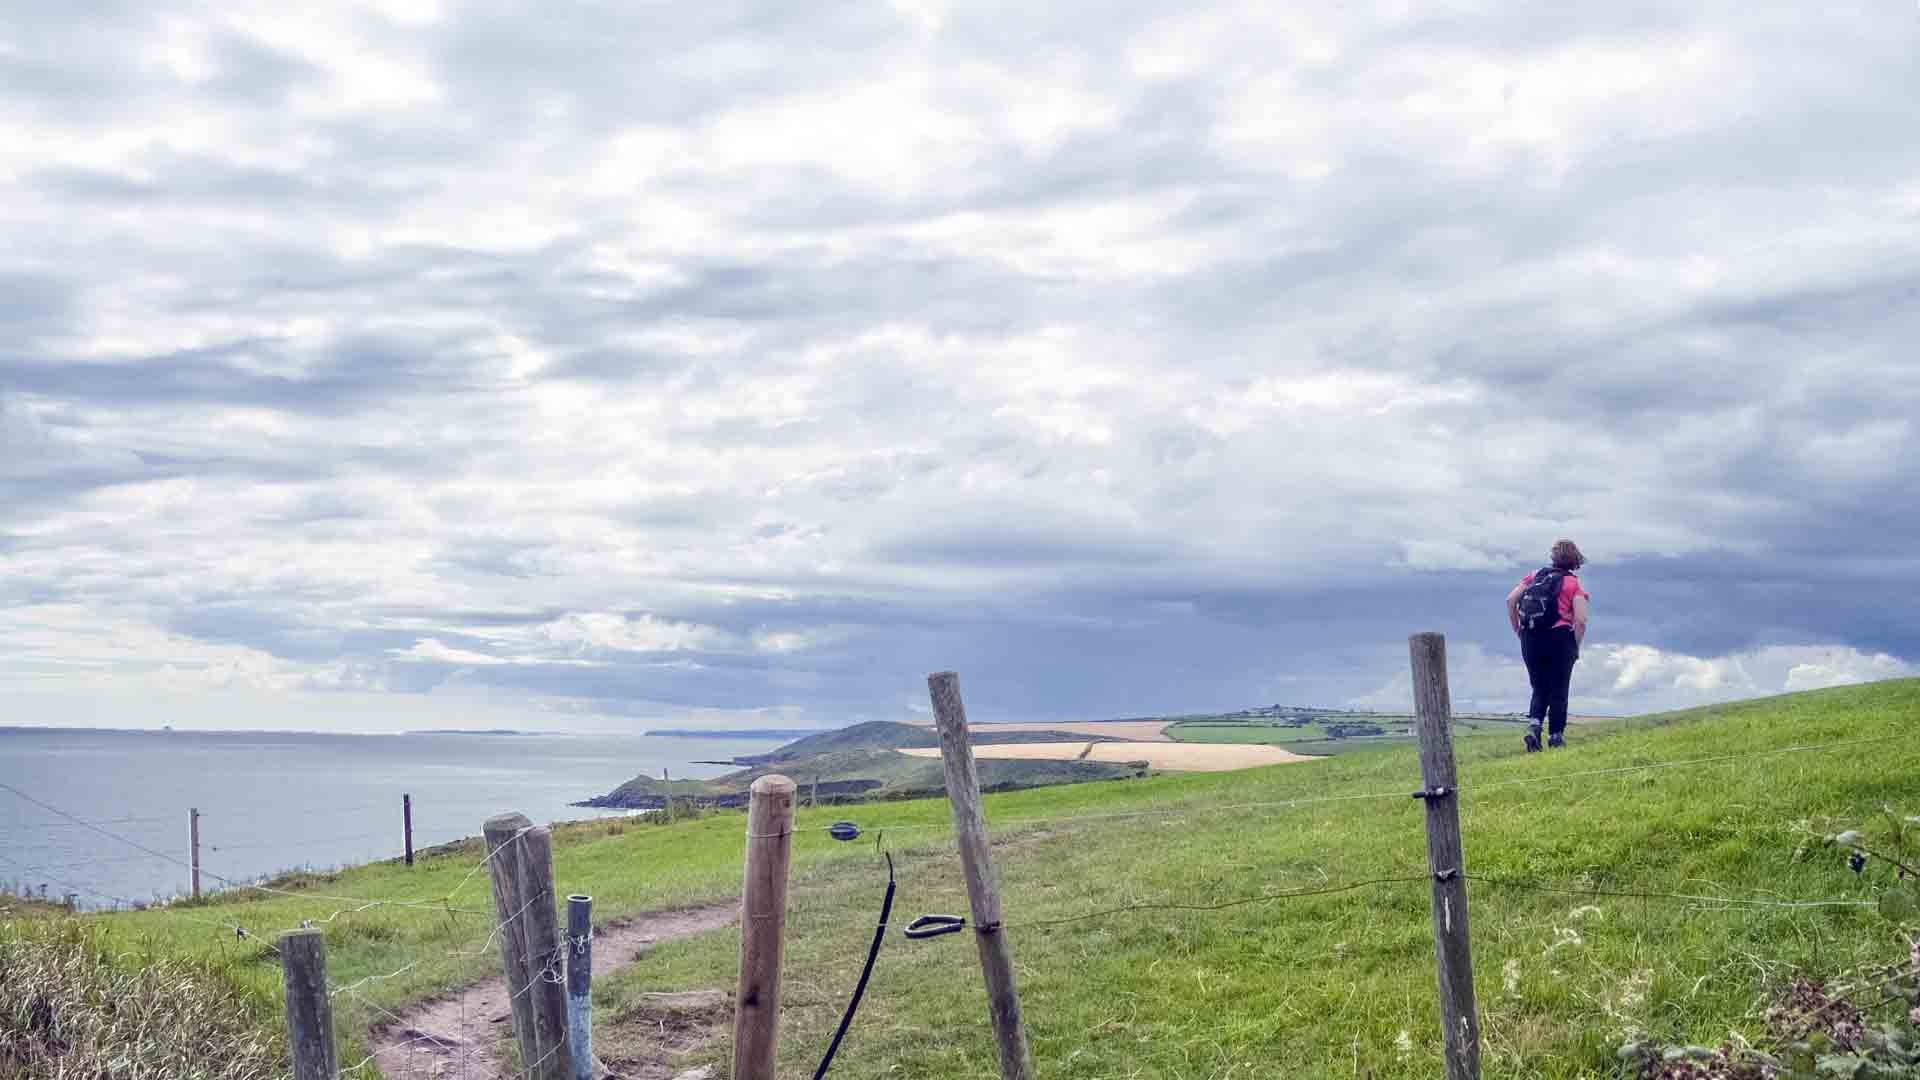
x=860, y=988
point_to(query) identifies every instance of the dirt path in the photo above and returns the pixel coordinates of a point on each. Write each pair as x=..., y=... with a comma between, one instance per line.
x=462, y=1036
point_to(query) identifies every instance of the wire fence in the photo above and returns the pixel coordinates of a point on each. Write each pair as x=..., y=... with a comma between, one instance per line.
x=459, y=960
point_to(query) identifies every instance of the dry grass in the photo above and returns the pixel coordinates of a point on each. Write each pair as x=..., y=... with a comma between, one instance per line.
x=1178, y=757
x=69, y=1008
x=1137, y=730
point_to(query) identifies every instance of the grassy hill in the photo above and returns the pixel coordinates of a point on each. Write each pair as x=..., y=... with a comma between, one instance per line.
x=859, y=761
x=1333, y=985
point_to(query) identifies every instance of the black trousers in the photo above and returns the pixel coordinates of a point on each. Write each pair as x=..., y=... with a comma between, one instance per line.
x=1550, y=656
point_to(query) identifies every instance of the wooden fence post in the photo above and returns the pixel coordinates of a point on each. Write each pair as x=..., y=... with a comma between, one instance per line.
x=503, y=834
x=763, y=927
x=303, y=965
x=667, y=779
x=1433, y=709
x=580, y=985
x=546, y=959
x=406, y=824
x=193, y=846
x=983, y=888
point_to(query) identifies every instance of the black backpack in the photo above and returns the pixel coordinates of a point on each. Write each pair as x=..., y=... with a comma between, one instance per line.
x=1539, y=604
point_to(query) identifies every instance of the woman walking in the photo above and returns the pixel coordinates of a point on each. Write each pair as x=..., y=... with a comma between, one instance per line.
x=1548, y=610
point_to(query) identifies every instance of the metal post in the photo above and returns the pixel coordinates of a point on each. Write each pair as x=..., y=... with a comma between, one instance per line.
x=580, y=984
x=1433, y=708
x=303, y=966
x=193, y=845
x=983, y=890
x=763, y=927
x=406, y=824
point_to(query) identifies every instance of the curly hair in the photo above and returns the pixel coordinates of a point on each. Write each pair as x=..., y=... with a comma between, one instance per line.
x=1566, y=555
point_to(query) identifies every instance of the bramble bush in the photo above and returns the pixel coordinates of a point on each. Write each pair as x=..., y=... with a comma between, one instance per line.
x=1818, y=1029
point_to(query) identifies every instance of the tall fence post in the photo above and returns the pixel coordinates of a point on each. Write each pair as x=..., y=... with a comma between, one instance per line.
x=193, y=846
x=580, y=985
x=503, y=834
x=763, y=927
x=546, y=959
x=983, y=888
x=1433, y=710
x=667, y=779
x=303, y=965
x=406, y=824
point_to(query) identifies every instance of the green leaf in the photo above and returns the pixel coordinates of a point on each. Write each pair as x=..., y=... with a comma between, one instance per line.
x=1841, y=1065
x=1900, y=902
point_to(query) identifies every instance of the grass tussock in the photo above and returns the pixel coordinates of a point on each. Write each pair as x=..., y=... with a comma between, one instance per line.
x=70, y=1008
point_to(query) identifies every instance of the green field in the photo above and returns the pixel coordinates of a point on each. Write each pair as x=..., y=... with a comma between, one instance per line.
x=1315, y=738
x=1338, y=985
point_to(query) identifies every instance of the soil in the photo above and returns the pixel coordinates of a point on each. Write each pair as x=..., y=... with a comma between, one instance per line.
x=464, y=1035
x=1179, y=757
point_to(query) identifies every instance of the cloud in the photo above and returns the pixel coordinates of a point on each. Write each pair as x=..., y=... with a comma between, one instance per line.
x=1124, y=359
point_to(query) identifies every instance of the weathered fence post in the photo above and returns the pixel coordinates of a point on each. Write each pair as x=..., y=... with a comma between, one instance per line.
x=503, y=834
x=983, y=888
x=580, y=985
x=667, y=779
x=546, y=959
x=1433, y=709
x=193, y=846
x=406, y=824
x=303, y=965
x=763, y=927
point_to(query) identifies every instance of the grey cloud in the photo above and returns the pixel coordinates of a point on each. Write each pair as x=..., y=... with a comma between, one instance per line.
x=1048, y=414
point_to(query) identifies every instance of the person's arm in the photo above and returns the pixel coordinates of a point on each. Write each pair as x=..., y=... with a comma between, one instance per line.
x=1579, y=619
x=1513, y=606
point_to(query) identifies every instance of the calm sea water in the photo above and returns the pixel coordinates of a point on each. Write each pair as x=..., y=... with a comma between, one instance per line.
x=271, y=801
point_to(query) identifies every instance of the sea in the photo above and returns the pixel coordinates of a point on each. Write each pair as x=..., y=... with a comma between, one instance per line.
x=103, y=816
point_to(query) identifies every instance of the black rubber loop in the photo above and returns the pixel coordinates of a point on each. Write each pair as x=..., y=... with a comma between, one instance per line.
x=931, y=926
x=860, y=988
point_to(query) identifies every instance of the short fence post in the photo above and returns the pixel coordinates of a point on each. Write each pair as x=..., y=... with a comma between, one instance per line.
x=303, y=965
x=1433, y=708
x=580, y=985
x=193, y=846
x=983, y=888
x=763, y=927
x=406, y=824
x=546, y=959
x=503, y=834
x=813, y=794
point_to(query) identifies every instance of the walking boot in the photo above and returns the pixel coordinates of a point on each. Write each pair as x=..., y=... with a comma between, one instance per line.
x=1533, y=740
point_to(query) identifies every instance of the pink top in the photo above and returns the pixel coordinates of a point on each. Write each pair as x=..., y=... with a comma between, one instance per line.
x=1569, y=588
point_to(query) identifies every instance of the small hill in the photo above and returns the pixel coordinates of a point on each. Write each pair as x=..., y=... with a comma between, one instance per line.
x=863, y=761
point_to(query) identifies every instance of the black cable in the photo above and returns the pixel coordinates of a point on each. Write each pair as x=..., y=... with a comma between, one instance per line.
x=860, y=988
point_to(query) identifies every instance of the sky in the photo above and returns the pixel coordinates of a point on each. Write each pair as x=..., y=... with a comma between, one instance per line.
x=606, y=366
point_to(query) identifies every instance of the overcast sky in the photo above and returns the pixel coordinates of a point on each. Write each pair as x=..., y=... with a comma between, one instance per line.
x=570, y=365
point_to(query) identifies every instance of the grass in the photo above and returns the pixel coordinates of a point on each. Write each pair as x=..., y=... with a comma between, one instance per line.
x=1313, y=738
x=68, y=1009
x=1338, y=985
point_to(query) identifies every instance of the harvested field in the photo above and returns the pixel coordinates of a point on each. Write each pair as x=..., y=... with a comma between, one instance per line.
x=1137, y=730
x=1178, y=757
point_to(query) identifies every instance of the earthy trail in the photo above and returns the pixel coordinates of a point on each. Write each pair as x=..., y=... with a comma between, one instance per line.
x=463, y=1035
